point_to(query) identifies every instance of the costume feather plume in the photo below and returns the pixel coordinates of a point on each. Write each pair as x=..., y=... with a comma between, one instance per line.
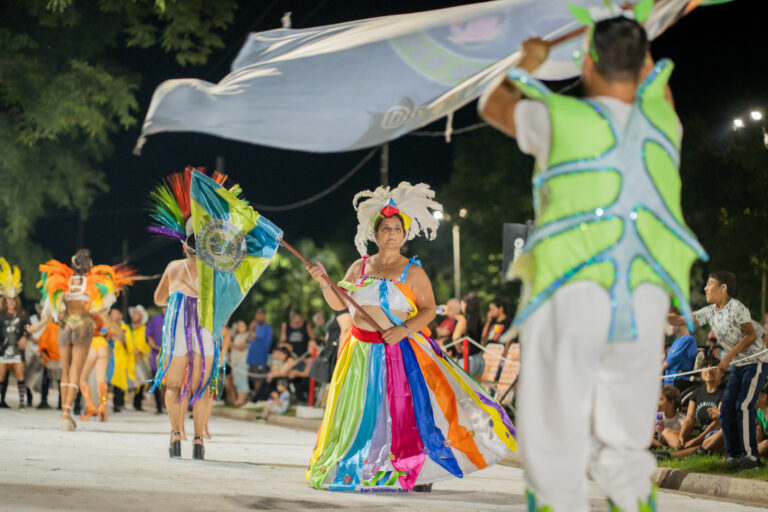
x=10, y=279
x=169, y=202
x=414, y=201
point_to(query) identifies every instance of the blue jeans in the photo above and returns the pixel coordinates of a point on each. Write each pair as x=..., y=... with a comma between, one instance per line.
x=737, y=412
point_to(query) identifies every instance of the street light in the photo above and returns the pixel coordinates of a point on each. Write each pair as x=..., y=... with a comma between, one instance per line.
x=738, y=123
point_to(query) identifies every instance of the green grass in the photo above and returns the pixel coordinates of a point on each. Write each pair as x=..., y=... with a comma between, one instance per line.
x=713, y=464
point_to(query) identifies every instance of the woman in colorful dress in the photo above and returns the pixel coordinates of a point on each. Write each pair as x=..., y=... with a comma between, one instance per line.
x=398, y=408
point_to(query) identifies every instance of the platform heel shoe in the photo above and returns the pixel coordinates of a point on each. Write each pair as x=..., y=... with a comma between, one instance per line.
x=174, y=450
x=198, y=450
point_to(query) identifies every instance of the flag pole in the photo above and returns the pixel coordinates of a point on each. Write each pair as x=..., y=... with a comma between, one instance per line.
x=341, y=292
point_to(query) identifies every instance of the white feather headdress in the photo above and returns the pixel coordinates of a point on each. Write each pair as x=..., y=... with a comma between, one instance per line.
x=10, y=279
x=412, y=202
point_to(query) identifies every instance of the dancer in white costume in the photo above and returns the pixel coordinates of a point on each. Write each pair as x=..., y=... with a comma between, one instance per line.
x=610, y=245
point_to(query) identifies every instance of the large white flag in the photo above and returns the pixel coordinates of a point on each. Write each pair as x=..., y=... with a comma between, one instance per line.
x=358, y=84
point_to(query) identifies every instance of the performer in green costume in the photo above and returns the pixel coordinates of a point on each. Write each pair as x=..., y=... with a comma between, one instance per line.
x=609, y=248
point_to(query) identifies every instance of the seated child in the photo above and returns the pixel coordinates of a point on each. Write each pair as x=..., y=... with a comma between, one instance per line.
x=670, y=418
x=704, y=409
x=762, y=422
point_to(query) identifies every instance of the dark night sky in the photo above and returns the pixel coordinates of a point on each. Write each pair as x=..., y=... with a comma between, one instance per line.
x=720, y=73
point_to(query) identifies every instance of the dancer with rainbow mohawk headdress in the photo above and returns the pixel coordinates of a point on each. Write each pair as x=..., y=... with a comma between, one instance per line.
x=188, y=362
x=13, y=325
x=74, y=298
x=400, y=412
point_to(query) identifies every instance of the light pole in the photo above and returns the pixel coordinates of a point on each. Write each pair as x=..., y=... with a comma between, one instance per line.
x=456, y=249
x=738, y=123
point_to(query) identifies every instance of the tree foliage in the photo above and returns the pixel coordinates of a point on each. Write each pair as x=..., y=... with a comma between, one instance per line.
x=65, y=92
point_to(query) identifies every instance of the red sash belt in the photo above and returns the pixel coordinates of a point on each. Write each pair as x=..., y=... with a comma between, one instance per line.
x=367, y=336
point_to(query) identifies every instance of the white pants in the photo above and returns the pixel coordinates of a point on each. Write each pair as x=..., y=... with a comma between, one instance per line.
x=587, y=406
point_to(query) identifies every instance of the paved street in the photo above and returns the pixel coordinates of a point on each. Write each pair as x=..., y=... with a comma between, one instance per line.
x=124, y=465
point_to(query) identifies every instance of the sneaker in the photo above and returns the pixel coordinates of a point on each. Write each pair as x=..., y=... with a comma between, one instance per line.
x=4, y=405
x=730, y=461
x=749, y=462
x=23, y=408
x=43, y=405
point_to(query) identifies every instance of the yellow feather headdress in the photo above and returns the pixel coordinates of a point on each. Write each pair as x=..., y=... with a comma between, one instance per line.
x=10, y=279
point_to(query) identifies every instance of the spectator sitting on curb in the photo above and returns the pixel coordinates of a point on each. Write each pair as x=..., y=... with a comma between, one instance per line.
x=279, y=401
x=282, y=363
x=704, y=408
x=671, y=420
x=762, y=422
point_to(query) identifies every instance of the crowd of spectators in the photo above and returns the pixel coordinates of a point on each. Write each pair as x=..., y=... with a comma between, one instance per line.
x=690, y=407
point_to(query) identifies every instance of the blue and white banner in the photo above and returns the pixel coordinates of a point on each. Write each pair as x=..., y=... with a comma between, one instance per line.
x=358, y=84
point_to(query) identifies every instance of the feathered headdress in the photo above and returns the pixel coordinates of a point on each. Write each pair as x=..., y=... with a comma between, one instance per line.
x=170, y=205
x=411, y=202
x=104, y=284
x=10, y=279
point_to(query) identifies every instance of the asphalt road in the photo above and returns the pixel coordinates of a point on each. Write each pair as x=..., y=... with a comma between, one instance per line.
x=123, y=465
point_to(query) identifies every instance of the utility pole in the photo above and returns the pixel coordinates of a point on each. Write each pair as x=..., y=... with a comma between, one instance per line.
x=456, y=263
x=220, y=163
x=384, y=169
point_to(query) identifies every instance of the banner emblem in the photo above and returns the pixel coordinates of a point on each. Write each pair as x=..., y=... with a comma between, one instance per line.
x=221, y=245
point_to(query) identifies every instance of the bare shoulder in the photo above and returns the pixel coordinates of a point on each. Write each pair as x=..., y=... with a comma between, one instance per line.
x=355, y=269
x=417, y=271
x=172, y=266
x=416, y=276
